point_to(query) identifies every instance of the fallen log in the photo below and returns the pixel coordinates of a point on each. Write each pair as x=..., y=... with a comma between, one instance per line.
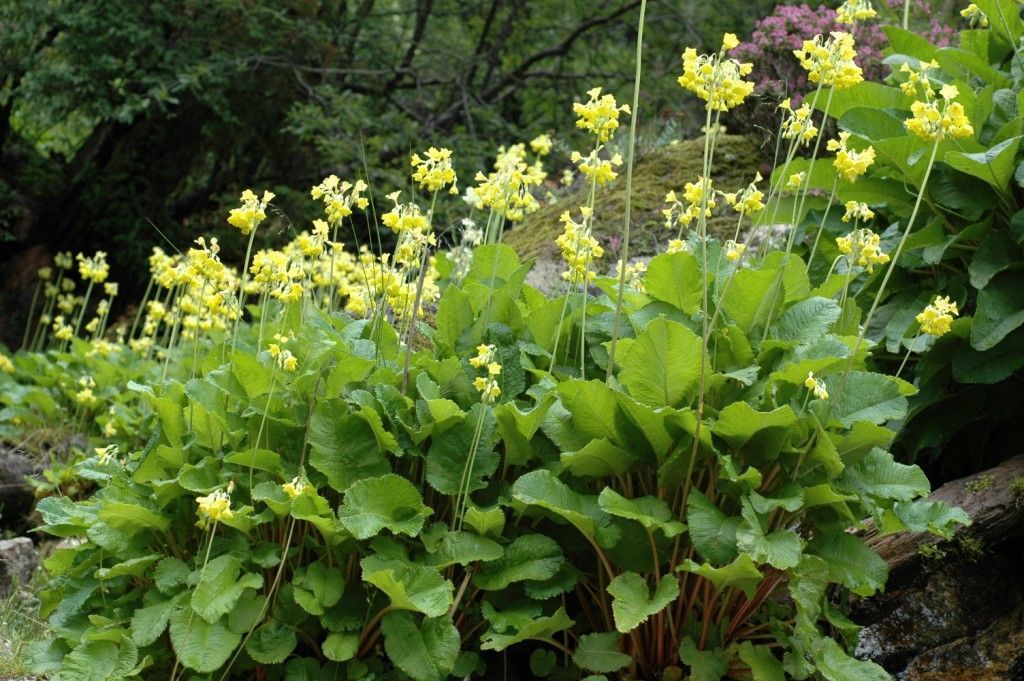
x=994, y=499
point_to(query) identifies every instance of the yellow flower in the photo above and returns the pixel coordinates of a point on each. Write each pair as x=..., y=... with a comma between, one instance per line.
x=857, y=211
x=484, y=355
x=489, y=389
x=599, y=115
x=816, y=386
x=45, y=273
x=579, y=248
x=435, y=172
x=567, y=177
x=729, y=42
x=852, y=11
x=797, y=124
x=733, y=250
x=6, y=365
x=94, y=269
x=601, y=171
x=863, y=248
x=936, y=318
x=830, y=61
x=294, y=488
x=795, y=181
x=675, y=246
x=918, y=78
x=251, y=213
x=493, y=369
x=215, y=506
x=339, y=197
x=107, y=453
x=715, y=79
x=63, y=260
x=541, y=145
x=976, y=16
x=849, y=163
x=749, y=201
x=936, y=120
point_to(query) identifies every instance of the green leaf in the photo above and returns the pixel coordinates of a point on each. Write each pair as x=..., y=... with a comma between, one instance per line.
x=763, y=665
x=600, y=653
x=850, y=561
x=253, y=375
x=705, y=665
x=806, y=321
x=712, y=532
x=151, y=621
x=632, y=602
x=763, y=432
x=530, y=557
x=834, y=664
x=780, y=549
x=220, y=587
x=99, y=661
x=662, y=367
x=463, y=548
x=318, y=587
x=260, y=459
x=748, y=301
x=542, y=662
x=426, y=652
x=867, y=396
x=995, y=166
x=449, y=454
x=390, y=502
x=488, y=522
x=524, y=629
x=542, y=488
x=169, y=573
x=343, y=446
x=410, y=587
x=741, y=573
x=878, y=475
x=996, y=253
x=651, y=512
x=200, y=645
x=340, y=647
x=598, y=458
x=864, y=93
x=925, y=515
x=132, y=517
x=1000, y=310
x=271, y=643
x=675, y=279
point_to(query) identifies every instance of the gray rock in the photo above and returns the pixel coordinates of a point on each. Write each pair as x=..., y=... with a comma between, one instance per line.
x=17, y=498
x=18, y=560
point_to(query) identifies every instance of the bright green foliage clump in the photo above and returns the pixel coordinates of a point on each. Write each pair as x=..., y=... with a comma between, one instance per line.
x=643, y=474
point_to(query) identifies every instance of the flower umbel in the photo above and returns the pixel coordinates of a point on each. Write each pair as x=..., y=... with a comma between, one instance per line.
x=850, y=163
x=830, y=61
x=599, y=115
x=816, y=386
x=716, y=79
x=251, y=213
x=937, y=317
x=863, y=248
x=435, y=172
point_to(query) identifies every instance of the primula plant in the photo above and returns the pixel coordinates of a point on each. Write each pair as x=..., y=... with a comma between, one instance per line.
x=413, y=464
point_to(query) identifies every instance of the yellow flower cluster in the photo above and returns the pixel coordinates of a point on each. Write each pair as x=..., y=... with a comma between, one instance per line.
x=918, y=78
x=936, y=318
x=852, y=11
x=678, y=213
x=849, y=163
x=506, y=190
x=435, y=172
x=975, y=15
x=541, y=145
x=251, y=213
x=339, y=197
x=106, y=454
x=94, y=269
x=599, y=115
x=283, y=358
x=635, y=272
x=85, y=395
x=797, y=124
x=733, y=250
x=863, y=248
x=749, y=201
x=816, y=386
x=63, y=260
x=294, y=488
x=404, y=217
x=487, y=384
x=830, y=61
x=215, y=506
x=715, y=79
x=6, y=365
x=857, y=211
x=795, y=181
x=677, y=246
x=597, y=169
x=579, y=248
x=935, y=120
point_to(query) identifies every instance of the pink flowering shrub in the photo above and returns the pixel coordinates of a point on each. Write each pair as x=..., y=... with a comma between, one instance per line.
x=777, y=72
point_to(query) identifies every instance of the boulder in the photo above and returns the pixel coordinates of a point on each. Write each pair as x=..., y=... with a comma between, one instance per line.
x=18, y=561
x=17, y=498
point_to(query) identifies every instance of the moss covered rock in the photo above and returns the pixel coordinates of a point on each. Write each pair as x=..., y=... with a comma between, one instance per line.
x=737, y=159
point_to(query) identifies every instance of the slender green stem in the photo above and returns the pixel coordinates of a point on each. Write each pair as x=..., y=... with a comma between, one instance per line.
x=31, y=314
x=906, y=357
x=821, y=226
x=241, y=289
x=906, y=14
x=624, y=260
